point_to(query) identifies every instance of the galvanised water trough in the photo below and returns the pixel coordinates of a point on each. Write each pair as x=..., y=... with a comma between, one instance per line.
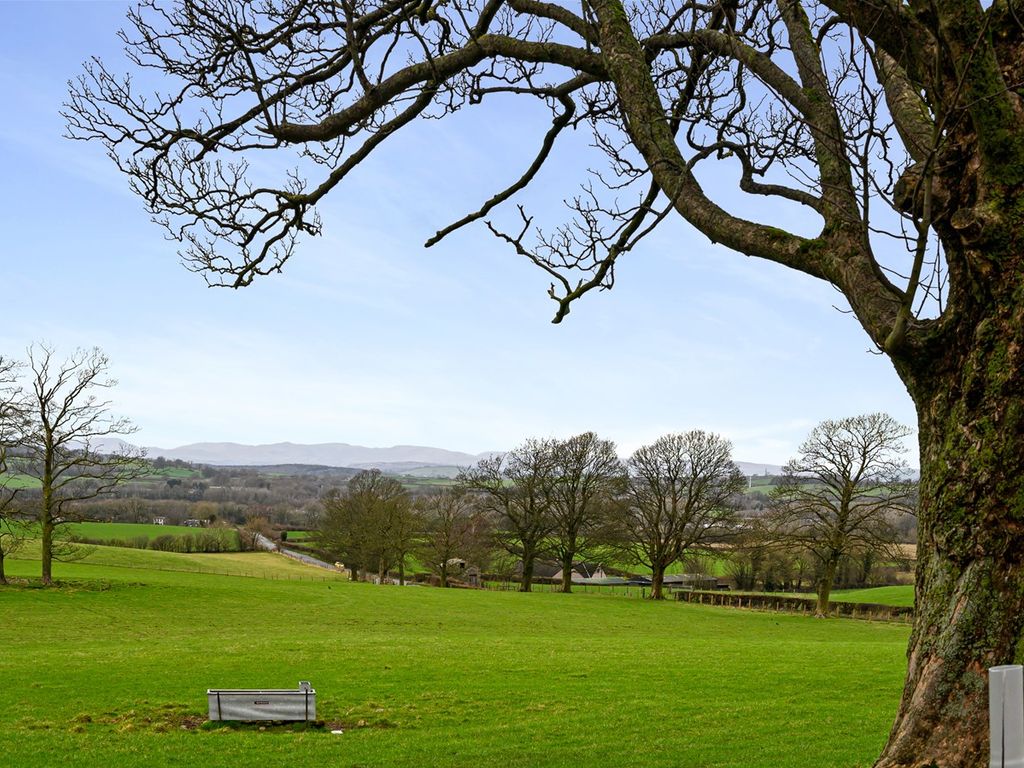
x=1006, y=716
x=248, y=704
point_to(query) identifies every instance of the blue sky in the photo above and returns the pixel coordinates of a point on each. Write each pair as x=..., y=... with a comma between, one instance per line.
x=367, y=337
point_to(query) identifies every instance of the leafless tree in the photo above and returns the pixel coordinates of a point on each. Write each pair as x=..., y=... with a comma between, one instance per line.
x=454, y=529
x=368, y=526
x=679, y=499
x=68, y=420
x=588, y=478
x=840, y=496
x=897, y=126
x=516, y=488
x=12, y=434
x=256, y=527
x=404, y=531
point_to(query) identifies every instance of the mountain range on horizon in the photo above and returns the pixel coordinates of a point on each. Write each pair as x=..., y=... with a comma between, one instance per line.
x=396, y=458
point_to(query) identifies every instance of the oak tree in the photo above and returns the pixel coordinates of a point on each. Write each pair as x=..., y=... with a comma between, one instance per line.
x=587, y=478
x=368, y=526
x=841, y=494
x=65, y=446
x=516, y=489
x=454, y=530
x=897, y=127
x=679, y=500
x=12, y=432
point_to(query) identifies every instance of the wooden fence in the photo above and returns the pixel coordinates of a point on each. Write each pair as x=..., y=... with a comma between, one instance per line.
x=805, y=605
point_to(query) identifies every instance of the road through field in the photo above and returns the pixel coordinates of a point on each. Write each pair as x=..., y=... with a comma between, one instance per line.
x=264, y=543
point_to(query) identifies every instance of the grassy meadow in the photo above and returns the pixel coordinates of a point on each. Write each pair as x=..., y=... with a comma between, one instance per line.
x=113, y=531
x=898, y=595
x=111, y=668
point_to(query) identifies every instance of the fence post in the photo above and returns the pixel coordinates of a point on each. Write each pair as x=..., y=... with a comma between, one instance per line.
x=1006, y=716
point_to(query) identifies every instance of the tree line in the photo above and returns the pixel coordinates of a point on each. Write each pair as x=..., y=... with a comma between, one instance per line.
x=573, y=500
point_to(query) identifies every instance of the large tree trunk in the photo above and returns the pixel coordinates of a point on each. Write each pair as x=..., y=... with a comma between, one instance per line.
x=970, y=569
x=567, y=574
x=825, y=583
x=46, y=526
x=3, y=576
x=657, y=578
x=526, y=584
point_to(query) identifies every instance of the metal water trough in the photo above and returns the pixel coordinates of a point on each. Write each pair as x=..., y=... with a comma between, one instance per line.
x=1006, y=716
x=267, y=704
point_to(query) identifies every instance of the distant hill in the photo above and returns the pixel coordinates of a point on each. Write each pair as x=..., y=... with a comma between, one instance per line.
x=415, y=460
x=392, y=459
x=753, y=468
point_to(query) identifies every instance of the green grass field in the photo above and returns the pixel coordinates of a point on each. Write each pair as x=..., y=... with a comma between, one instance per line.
x=112, y=668
x=898, y=595
x=131, y=530
x=901, y=595
x=16, y=481
x=100, y=562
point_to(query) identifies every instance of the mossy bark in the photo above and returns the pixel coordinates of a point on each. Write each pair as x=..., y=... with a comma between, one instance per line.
x=970, y=570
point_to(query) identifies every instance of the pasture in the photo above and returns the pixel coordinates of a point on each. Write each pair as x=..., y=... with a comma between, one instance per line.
x=113, y=531
x=898, y=595
x=111, y=668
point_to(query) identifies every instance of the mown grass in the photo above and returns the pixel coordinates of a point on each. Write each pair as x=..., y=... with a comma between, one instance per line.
x=112, y=668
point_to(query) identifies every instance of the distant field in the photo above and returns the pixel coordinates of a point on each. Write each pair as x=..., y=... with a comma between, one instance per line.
x=130, y=530
x=899, y=595
x=122, y=563
x=178, y=472
x=18, y=481
x=902, y=595
x=131, y=533
x=112, y=670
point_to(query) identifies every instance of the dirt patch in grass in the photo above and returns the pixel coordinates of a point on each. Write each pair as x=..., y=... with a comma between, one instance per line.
x=69, y=585
x=168, y=717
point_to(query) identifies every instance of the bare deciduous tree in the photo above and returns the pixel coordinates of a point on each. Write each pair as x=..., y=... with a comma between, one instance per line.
x=588, y=477
x=368, y=526
x=679, y=499
x=516, y=489
x=12, y=434
x=454, y=529
x=67, y=420
x=896, y=126
x=839, y=497
x=255, y=528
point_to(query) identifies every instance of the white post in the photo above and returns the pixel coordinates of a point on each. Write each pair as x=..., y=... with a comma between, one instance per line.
x=1006, y=716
